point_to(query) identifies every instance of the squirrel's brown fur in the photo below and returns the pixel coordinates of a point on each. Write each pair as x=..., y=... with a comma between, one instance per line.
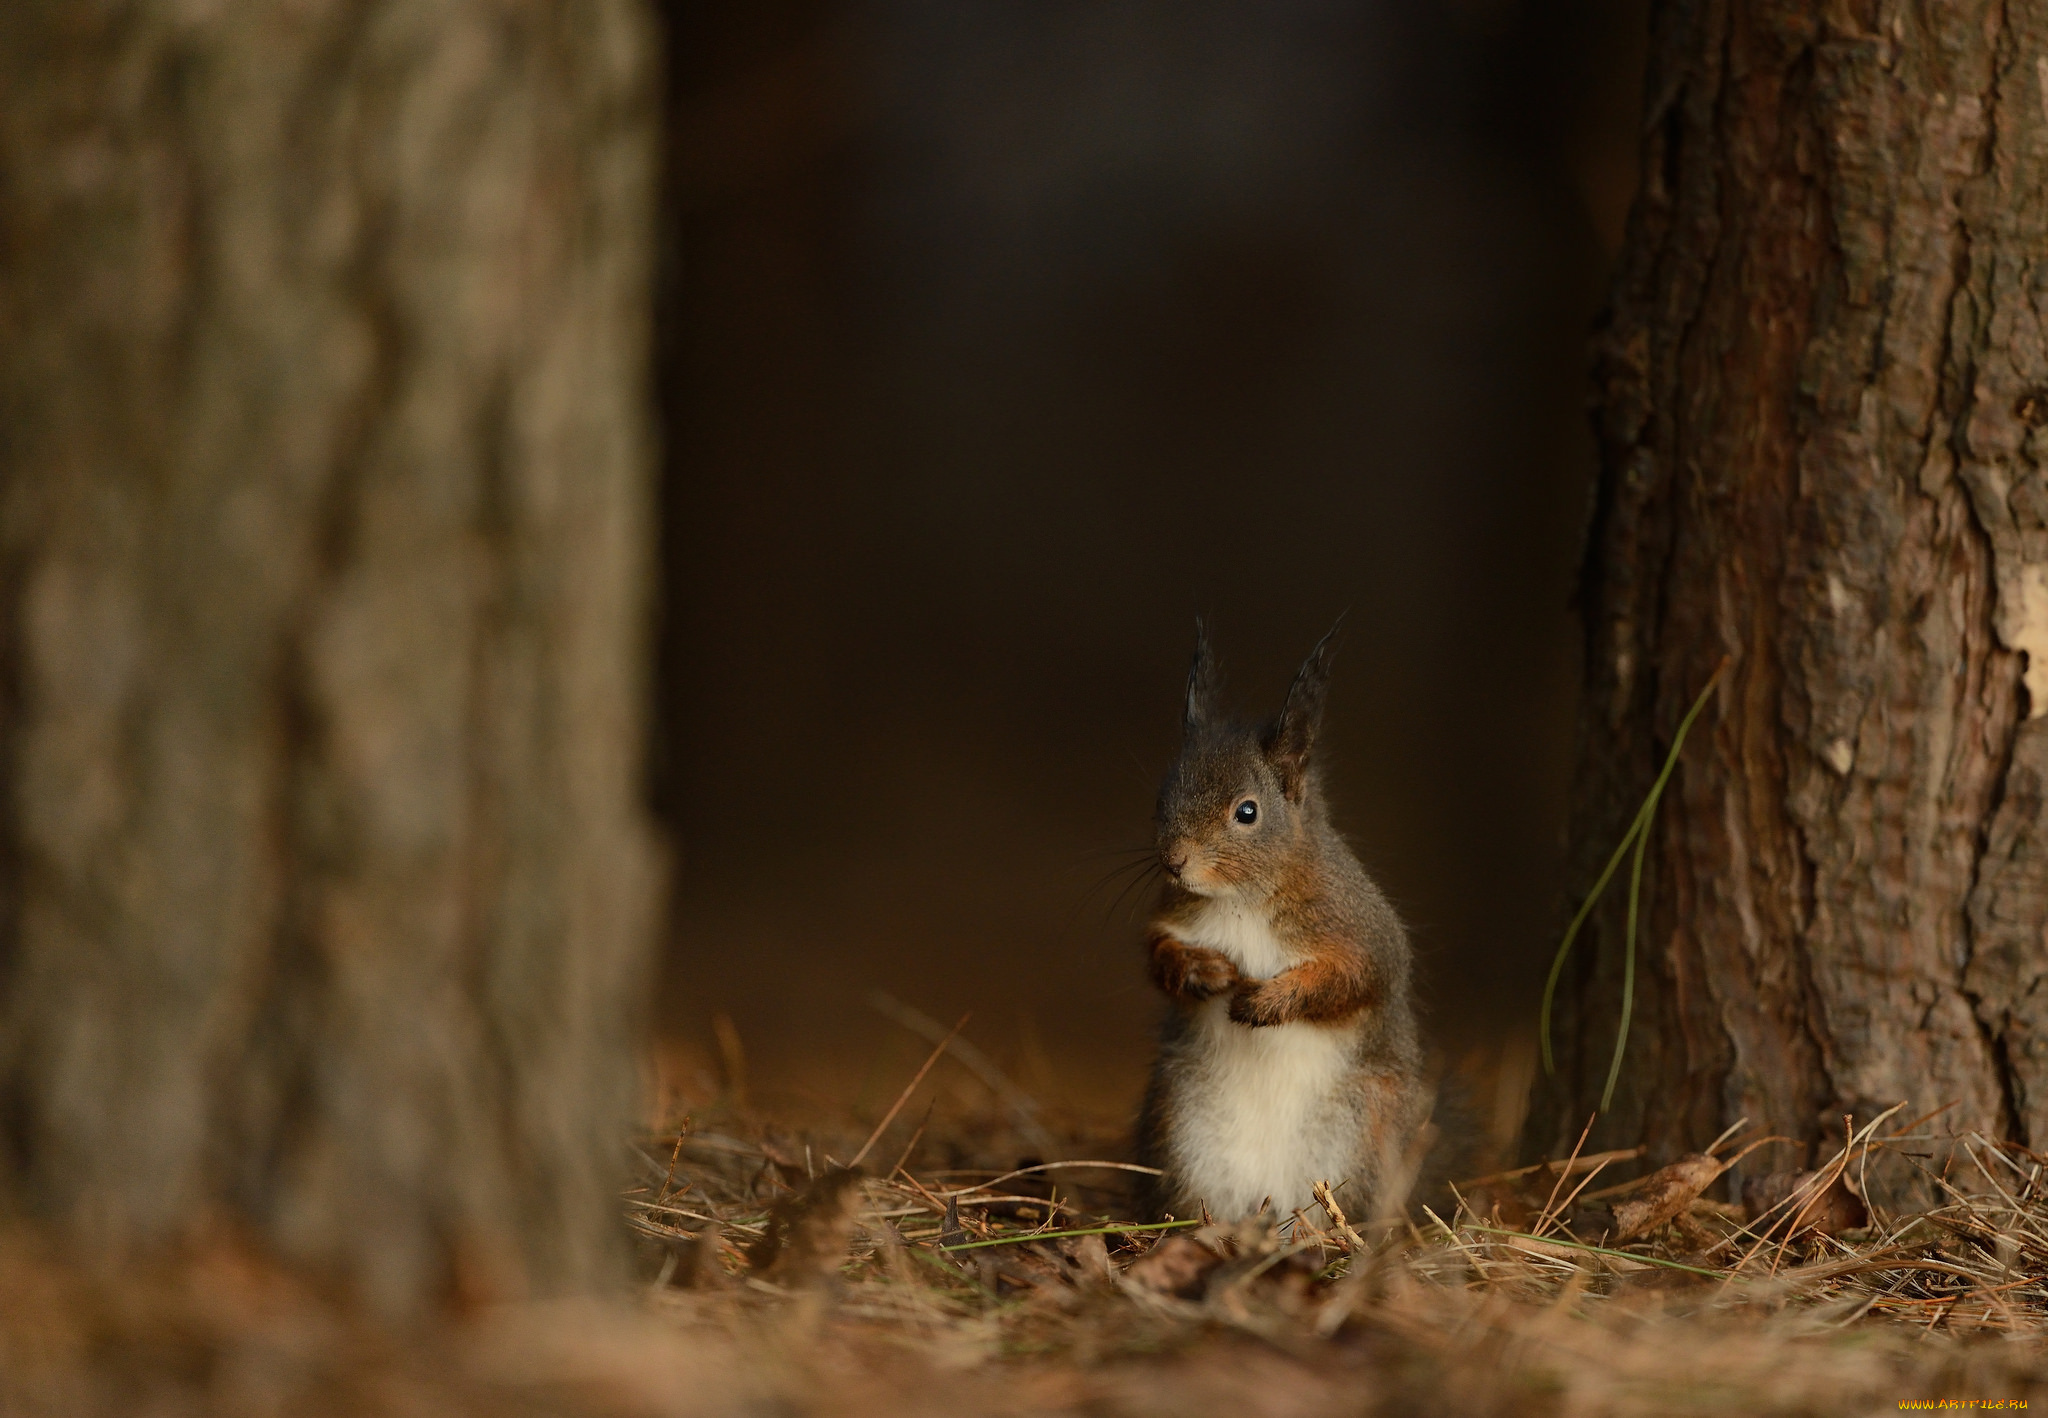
x=1290, y=1052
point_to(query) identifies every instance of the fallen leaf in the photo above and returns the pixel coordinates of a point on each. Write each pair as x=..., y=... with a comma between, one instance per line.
x=1087, y=1258
x=1178, y=1265
x=1667, y=1191
x=808, y=1232
x=951, y=1232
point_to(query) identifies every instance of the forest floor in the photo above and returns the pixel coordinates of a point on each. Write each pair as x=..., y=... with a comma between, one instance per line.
x=983, y=1260
x=961, y=1274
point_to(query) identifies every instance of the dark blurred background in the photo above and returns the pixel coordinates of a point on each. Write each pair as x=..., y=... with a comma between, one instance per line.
x=1002, y=339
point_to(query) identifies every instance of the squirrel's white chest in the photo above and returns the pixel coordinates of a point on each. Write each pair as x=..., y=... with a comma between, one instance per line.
x=1244, y=934
x=1257, y=1113
x=1261, y=1113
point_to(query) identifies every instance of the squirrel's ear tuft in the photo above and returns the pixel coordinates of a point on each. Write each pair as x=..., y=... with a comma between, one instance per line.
x=1291, y=736
x=1203, y=683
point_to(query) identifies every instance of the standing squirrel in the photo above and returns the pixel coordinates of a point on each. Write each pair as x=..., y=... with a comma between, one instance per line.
x=1290, y=1053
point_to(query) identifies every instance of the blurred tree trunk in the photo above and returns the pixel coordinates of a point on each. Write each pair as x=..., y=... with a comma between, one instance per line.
x=326, y=535
x=1820, y=403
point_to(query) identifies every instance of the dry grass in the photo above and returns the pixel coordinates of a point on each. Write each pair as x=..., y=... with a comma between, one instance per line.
x=943, y=1279
x=960, y=1284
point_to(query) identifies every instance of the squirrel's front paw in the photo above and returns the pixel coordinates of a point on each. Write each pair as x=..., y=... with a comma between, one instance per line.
x=1254, y=1004
x=1191, y=972
x=1209, y=973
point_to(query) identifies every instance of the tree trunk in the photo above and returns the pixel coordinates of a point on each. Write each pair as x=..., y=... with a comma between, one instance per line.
x=326, y=532
x=1819, y=410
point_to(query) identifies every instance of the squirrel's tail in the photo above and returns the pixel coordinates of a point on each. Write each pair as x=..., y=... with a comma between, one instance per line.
x=1459, y=1148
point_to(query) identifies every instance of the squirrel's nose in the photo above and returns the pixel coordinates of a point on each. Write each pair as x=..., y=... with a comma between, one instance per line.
x=1176, y=863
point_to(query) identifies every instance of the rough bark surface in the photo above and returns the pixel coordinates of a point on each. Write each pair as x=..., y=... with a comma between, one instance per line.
x=324, y=531
x=1819, y=402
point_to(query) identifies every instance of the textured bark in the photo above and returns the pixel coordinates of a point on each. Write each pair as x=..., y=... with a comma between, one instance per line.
x=324, y=510
x=1819, y=402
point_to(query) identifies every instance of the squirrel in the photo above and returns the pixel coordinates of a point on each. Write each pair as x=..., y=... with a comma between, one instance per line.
x=1290, y=1053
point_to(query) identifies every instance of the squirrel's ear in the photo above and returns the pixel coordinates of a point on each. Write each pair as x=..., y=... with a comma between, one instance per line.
x=1202, y=683
x=1291, y=736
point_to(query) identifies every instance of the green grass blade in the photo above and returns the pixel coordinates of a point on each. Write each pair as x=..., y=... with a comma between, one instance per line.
x=1571, y=933
x=1600, y=1251
x=1628, y=963
x=1061, y=1235
x=1637, y=837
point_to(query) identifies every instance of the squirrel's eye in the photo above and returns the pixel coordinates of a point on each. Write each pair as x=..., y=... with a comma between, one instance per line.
x=1247, y=812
